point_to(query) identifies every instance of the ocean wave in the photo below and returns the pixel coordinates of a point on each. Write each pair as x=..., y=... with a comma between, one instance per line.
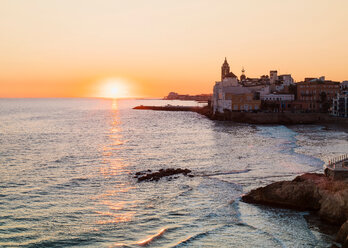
x=225, y=173
x=152, y=237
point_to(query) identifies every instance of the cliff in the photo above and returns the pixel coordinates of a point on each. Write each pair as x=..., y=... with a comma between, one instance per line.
x=310, y=191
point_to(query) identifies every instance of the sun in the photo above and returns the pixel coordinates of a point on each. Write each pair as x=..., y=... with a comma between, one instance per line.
x=114, y=88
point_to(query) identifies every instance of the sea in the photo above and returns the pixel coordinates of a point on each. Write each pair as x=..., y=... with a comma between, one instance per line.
x=67, y=170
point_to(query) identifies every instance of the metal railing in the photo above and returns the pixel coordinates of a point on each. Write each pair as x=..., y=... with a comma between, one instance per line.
x=336, y=161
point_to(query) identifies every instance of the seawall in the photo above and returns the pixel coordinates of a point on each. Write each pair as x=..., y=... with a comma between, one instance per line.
x=284, y=118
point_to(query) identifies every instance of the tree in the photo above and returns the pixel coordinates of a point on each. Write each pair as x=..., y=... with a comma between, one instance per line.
x=293, y=89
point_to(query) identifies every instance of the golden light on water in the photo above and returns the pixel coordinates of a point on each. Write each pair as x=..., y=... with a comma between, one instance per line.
x=114, y=88
x=111, y=208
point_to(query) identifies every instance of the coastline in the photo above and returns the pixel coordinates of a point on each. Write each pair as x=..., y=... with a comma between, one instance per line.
x=285, y=118
x=263, y=118
x=308, y=192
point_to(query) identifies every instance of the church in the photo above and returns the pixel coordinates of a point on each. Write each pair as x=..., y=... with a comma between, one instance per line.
x=230, y=94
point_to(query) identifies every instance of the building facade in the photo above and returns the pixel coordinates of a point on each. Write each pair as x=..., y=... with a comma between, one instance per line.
x=278, y=97
x=340, y=105
x=243, y=102
x=315, y=95
x=231, y=95
x=344, y=86
x=222, y=92
x=277, y=102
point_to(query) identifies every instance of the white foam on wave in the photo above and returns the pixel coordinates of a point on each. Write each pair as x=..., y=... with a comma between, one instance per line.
x=149, y=239
x=288, y=145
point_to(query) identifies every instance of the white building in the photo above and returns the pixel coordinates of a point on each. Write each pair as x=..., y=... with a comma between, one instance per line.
x=340, y=105
x=286, y=79
x=277, y=97
x=226, y=86
x=344, y=85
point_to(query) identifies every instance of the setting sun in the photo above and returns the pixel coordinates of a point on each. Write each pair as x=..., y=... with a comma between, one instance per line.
x=114, y=88
x=156, y=123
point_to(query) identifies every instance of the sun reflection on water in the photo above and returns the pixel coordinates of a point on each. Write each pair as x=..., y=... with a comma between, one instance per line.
x=114, y=105
x=113, y=165
x=113, y=206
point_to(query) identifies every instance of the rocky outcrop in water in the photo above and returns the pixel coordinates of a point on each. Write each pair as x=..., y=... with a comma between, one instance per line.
x=308, y=192
x=155, y=176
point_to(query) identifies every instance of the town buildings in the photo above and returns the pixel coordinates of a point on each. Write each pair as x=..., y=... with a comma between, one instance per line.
x=246, y=94
x=278, y=97
x=316, y=94
x=222, y=99
x=277, y=93
x=344, y=86
x=340, y=105
x=243, y=102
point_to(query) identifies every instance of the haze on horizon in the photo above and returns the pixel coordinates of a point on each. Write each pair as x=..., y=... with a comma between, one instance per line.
x=62, y=48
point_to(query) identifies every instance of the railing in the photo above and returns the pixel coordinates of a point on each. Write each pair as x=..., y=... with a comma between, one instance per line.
x=332, y=163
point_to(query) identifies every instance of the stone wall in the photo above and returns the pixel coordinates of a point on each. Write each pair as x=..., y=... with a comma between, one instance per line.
x=281, y=118
x=336, y=175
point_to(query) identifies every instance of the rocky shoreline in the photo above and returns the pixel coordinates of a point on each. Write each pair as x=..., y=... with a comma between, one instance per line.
x=309, y=192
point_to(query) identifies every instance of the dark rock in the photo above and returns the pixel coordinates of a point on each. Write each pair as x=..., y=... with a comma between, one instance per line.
x=155, y=176
x=345, y=244
x=314, y=222
x=342, y=234
x=295, y=195
x=310, y=191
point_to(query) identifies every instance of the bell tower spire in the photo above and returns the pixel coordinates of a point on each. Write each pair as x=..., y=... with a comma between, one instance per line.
x=243, y=77
x=225, y=69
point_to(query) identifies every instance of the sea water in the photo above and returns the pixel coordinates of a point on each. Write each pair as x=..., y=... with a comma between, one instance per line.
x=67, y=176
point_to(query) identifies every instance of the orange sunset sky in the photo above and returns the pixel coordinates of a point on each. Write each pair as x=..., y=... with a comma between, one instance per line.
x=85, y=48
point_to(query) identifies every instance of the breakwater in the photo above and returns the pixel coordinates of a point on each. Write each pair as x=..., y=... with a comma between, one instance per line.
x=169, y=108
x=201, y=110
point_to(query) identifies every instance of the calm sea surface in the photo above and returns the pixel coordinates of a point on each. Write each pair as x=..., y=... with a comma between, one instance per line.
x=67, y=167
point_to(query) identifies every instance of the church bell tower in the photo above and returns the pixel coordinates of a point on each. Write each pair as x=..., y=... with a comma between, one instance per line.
x=225, y=69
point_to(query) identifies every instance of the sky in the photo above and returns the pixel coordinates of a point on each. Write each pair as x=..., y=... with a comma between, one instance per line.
x=85, y=48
